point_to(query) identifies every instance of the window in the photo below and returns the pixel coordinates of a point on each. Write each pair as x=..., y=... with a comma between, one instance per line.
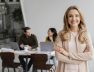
x=10, y=0
x=2, y=0
x=17, y=0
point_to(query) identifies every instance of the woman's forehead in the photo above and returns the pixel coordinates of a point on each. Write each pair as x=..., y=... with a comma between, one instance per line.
x=73, y=11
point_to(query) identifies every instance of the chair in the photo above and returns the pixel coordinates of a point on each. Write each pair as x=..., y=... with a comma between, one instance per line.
x=39, y=62
x=8, y=61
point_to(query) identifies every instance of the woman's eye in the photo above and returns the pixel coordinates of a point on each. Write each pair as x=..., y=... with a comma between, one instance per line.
x=70, y=15
x=76, y=15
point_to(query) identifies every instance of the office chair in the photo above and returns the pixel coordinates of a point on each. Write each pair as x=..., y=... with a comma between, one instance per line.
x=8, y=61
x=39, y=62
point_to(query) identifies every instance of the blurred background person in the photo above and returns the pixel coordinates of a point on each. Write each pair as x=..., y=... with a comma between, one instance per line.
x=52, y=34
x=28, y=40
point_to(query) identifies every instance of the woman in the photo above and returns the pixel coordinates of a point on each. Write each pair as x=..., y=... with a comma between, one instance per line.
x=73, y=45
x=52, y=34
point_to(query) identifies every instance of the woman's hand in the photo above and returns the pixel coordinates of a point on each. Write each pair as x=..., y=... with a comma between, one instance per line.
x=57, y=49
x=61, y=50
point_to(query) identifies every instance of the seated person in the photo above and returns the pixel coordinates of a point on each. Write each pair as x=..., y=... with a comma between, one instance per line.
x=30, y=40
x=52, y=34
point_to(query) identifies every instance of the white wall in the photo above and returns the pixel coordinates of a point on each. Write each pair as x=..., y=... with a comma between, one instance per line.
x=42, y=14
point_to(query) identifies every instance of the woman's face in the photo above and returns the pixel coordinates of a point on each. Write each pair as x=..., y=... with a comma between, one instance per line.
x=50, y=33
x=73, y=18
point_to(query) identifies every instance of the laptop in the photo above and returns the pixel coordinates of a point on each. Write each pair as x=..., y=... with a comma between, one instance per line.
x=14, y=45
x=46, y=46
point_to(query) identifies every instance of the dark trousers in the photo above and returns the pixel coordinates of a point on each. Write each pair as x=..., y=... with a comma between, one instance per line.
x=23, y=62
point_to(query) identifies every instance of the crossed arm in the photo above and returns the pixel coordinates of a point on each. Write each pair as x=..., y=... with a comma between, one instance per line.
x=64, y=56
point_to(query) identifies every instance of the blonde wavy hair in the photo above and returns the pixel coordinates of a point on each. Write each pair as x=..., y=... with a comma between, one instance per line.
x=66, y=29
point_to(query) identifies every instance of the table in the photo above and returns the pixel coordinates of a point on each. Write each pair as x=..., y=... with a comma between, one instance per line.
x=26, y=53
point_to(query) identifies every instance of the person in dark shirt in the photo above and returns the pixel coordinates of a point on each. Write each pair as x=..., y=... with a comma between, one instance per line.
x=27, y=39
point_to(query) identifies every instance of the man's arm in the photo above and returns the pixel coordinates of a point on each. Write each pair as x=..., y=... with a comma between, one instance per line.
x=35, y=42
x=21, y=45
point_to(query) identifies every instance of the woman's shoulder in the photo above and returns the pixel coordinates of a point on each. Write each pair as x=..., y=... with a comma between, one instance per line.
x=86, y=33
x=61, y=32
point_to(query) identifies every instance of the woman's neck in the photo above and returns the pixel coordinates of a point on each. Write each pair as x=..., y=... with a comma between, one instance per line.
x=74, y=29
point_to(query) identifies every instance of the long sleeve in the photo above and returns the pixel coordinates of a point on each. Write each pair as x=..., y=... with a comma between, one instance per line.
x=88, y=55
x=35, y=42
x=31, y=41
x=21, y=40
x=65, y=59
x=60, y=56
